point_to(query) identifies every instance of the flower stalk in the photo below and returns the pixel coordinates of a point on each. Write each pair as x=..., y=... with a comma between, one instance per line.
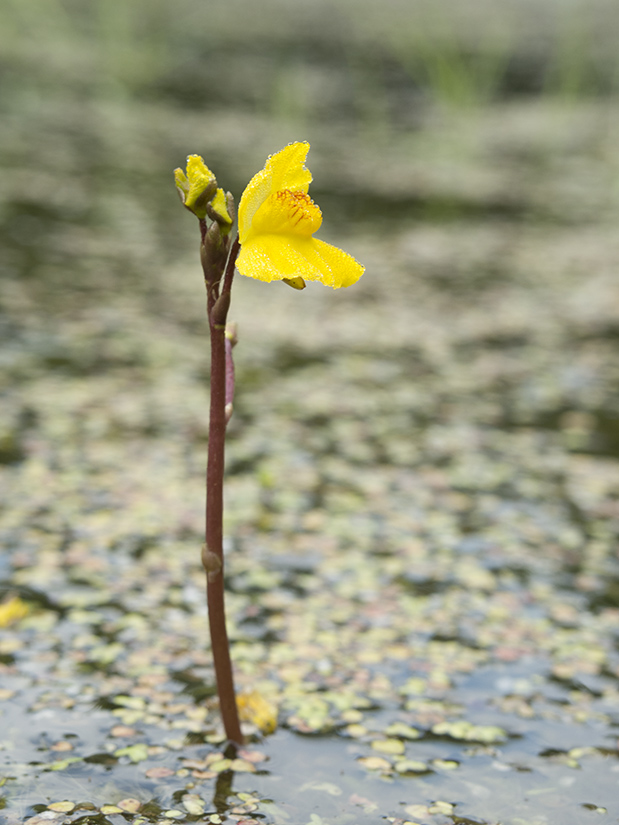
x=215, y=250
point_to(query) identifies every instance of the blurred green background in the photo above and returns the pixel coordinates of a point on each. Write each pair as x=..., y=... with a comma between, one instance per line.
x=99, y=101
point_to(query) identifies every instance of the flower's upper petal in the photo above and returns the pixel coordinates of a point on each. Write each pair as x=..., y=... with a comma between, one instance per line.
x=287, y=168
x=275, y=257
x=256, y=192
x=283, y=170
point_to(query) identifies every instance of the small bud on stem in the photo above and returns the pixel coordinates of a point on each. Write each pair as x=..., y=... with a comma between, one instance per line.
x=211, y=563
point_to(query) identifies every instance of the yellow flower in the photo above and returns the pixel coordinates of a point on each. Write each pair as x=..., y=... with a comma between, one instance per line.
x=197, y=187
x=277, y=219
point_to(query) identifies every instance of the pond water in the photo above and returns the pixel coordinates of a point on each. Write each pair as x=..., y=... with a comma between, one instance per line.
x=422, y=500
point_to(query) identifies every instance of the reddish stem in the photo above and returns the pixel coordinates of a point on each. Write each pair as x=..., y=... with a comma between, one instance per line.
x=213, y=558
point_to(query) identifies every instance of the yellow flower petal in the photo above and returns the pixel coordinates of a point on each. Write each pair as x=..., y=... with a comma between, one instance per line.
x=339, y=265
x=283, y=170
x=278, y=257
x=288, y=168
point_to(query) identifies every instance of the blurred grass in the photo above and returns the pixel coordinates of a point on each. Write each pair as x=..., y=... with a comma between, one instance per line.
x=289, y=58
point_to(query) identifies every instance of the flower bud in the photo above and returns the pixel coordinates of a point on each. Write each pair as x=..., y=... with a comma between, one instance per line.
x=220, y=311
x=197, y=187
x=217, y=210
x=213, y=253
